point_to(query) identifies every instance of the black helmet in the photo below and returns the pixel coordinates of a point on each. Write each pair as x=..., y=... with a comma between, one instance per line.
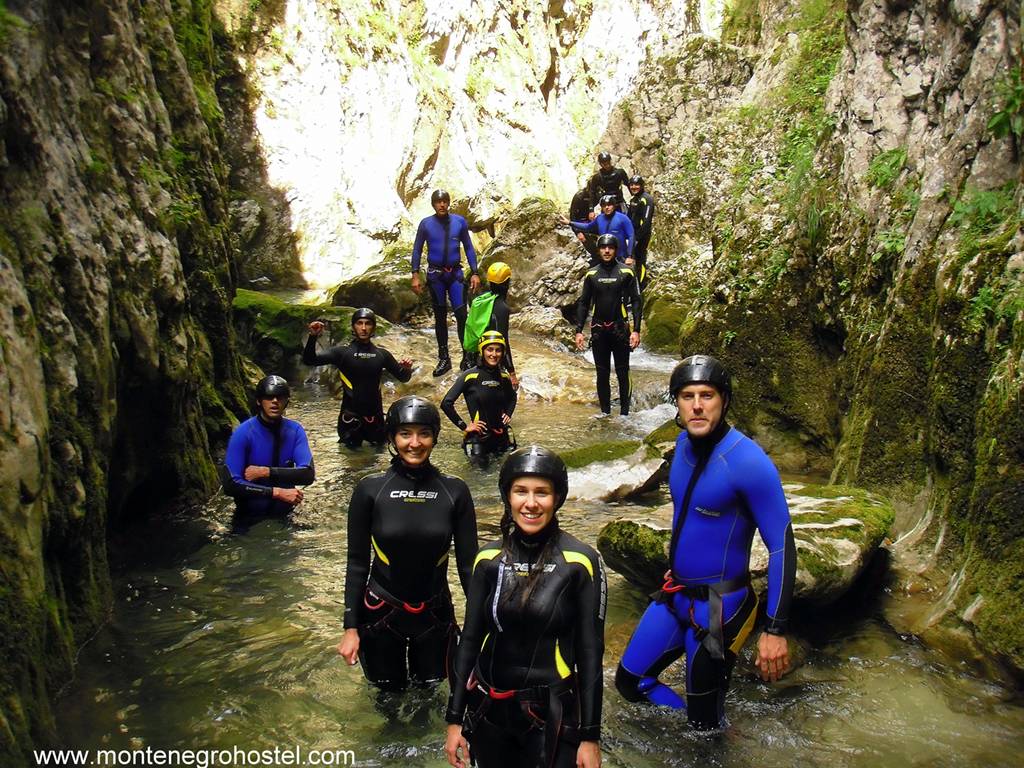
x=538, y=461
x=609, y=200
x=364, y=313
x=604, y=157
x=700, y=369
x=608, y=239
x=440, y=194
x=636, y=179
x=272, y=386
x=412, y=409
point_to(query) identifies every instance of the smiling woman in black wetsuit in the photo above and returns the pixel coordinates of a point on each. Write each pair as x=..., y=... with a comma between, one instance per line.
x=526, y=686
x=399, y=620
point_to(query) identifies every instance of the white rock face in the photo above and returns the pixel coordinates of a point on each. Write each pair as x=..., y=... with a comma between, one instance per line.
x=363, y=112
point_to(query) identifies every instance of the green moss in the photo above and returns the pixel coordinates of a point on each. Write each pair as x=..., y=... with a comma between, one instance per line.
x=667, y=433
x=823, y=570
x=9, y=22
x=582, y=457
x=742, y=23
x=636, y=551
x=285, y=324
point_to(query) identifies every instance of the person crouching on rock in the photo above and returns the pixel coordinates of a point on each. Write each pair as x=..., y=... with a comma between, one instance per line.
x=723, y=487
x=491, y=400
x=399, y=619
x=527, y=682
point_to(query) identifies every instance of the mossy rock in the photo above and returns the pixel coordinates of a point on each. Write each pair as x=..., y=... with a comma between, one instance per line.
x=581, y=457
x=386, y=287
x=665, y=435
x=837, y=531
x=275, y=330
x=639, y=552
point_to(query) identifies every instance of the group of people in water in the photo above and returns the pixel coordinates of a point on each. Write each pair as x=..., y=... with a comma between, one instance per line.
x=525, y=672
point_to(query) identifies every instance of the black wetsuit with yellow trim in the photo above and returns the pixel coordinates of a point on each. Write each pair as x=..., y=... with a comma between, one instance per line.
x=489, y=396
x=361, y=364
x=609, y=288
x=641, y=213
x=527, y=682
x=400, y=602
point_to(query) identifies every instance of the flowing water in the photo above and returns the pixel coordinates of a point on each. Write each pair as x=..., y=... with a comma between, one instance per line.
x=225, y=638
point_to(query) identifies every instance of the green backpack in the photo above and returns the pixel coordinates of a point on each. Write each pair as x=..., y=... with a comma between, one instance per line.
x=477, y=320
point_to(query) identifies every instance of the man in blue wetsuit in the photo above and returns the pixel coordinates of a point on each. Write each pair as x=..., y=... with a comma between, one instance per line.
x=609, y=222
x=443, y=233
x=723, y=487
x=268, y=456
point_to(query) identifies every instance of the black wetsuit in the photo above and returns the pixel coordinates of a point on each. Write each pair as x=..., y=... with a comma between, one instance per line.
x=530, y=673
x=641, y=213
x=401, y=603
x=489, y=395
x=361, y=365
x=579, y=210
x=609, y=288
x=610, y=183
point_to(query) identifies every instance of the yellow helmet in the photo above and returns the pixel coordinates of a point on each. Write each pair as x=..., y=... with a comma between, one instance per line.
x=490, y=337
x=498, y=272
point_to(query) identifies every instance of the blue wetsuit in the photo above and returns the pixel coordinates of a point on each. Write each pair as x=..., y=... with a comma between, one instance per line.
x=443, y=236
x=723, y=487
x=283, y=447
x=617, y=224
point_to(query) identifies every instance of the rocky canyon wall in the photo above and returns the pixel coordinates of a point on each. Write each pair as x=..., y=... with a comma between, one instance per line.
x=365, y=106
x=844, y=181
x=117, y=358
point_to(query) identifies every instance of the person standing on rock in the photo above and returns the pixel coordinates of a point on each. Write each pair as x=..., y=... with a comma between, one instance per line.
x=267, y=457
x=609, y=222
x=608, y=180
x=641, y=215
x=582, y=209
x=723, y=487
x=490, y=312
x=443, y=233
x=608, y=289
x=361, y=365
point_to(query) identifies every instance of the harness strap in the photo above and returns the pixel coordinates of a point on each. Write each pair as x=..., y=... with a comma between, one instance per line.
x=713, y=637
x=376, y=591
x=546, y=694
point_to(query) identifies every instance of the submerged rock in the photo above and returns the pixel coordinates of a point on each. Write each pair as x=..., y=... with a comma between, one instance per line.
x=837, y=530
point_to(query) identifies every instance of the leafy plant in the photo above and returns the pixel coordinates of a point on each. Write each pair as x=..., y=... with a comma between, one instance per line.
x=891, y=242
x=1010, y=117
x=981, y=213
x=886, y=168
x=982, y=306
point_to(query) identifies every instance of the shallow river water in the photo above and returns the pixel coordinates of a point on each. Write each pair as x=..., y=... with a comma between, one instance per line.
x=222, y=638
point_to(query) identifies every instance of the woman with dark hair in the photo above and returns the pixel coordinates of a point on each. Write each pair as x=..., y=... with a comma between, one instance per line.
x=399, y=620
x=526, y=687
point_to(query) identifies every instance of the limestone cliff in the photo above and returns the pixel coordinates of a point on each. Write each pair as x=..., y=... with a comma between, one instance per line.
x=365, y=106
x=117, y=265
x=847, y=178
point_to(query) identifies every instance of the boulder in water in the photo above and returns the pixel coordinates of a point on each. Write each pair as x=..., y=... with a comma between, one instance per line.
x=837, y=530
x=386, y=287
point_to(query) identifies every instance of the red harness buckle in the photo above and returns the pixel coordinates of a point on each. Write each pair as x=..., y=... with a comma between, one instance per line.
x=414, y=608
x=668, y=586
x=500, y=695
